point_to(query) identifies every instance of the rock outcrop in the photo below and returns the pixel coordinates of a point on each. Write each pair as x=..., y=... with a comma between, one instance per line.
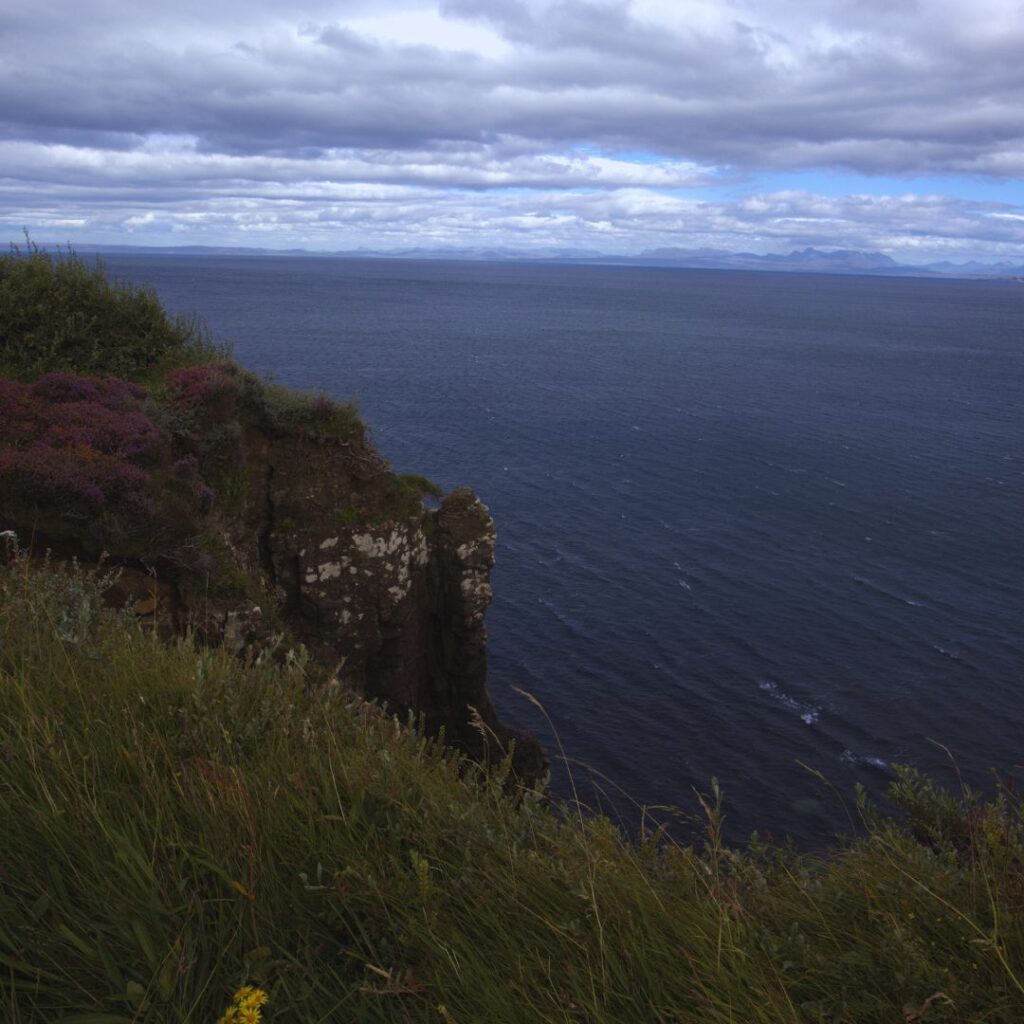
x=282, y=535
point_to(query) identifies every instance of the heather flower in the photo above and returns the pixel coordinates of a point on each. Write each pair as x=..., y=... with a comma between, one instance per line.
x=52, y=479
x=130, y=435
x=80, y=448
x=186, y=472
x=77, y=482
x=208, y=392
x=109, y=392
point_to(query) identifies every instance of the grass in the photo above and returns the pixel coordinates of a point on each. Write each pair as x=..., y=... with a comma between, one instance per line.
x=313, y=415
x=178, y=824
x=407, y=492
x=59, y=312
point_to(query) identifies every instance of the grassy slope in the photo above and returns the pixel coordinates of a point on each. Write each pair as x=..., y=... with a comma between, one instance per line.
x=177, y=824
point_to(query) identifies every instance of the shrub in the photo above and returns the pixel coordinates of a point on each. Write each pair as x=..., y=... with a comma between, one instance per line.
x=74, y=448
x=207, y=393
x=313, y=415
x=58, y=312
x=75, y=483
x=200, y=409
x=80, y=458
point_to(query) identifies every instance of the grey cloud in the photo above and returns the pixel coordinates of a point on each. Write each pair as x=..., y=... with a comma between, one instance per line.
x=252, y=120
x=874, y=92
x=175, y=166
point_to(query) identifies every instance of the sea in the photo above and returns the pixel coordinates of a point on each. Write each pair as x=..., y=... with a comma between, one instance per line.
x=757, y=533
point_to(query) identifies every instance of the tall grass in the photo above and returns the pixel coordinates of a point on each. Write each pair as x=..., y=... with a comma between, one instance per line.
x=177, y=824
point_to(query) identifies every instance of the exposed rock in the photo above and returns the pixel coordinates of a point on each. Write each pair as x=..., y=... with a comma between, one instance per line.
x=396, y=604
x=301, y=538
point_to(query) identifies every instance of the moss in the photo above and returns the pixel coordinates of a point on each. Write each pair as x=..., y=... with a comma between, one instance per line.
x=346, y=517
x=405, y=496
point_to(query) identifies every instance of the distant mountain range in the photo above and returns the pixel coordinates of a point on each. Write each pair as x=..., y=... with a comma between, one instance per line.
x=817, y=261
x=820, y=261
x=810, y=260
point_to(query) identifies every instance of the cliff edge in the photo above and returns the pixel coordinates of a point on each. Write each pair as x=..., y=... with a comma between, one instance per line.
x=250, y=515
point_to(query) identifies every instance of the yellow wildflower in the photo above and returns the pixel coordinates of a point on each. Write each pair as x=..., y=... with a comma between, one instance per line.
x=245, y=1006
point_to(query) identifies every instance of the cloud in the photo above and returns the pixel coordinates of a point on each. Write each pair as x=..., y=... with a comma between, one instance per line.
x=213, y=111
x=344, y=215
x=755, y=87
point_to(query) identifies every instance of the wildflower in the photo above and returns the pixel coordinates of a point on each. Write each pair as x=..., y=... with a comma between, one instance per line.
x=245, y=1006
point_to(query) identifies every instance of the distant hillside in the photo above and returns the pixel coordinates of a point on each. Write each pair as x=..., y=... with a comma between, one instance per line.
x=839, y=261
x=808, y=260
x=976, y=269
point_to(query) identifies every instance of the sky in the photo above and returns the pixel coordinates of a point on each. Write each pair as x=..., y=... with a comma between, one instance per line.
x=611, y=125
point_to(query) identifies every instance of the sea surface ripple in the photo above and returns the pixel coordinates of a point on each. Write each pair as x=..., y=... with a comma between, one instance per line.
x=751, y=526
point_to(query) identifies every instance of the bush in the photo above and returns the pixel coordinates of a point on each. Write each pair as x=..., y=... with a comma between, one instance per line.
x=58, y=312
x=313, y=415
x=74, y=448
x=79, y=457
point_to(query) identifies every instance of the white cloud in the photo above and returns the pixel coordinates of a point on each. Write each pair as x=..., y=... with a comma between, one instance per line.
x=346, y=216
x=254, y=117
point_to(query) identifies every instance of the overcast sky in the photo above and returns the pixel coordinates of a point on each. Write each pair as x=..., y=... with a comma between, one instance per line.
x=892, y=125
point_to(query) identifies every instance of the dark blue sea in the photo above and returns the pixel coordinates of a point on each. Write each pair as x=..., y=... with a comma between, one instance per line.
x=753, y=527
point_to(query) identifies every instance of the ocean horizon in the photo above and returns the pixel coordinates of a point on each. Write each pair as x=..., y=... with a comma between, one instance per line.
x=753, y=527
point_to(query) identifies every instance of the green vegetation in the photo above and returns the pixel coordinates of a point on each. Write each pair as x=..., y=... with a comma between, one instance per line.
x=313, y=415
x=420, y=484
x=177, y=825
x=92, y=458
x=346, y=517
x=61, y=313
x=407, y=493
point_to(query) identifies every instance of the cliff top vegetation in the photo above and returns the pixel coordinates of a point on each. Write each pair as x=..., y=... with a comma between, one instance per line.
x=122, y=426
x=63, y=313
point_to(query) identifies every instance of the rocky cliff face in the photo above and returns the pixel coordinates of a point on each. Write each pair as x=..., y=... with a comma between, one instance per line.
x=397, y=604
x=278, y=532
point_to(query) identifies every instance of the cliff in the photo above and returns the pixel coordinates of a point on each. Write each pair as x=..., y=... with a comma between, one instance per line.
x=264, y=520
x=251, y=516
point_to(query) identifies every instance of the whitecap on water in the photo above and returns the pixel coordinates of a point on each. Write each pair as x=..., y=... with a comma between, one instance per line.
x=809, y=713
x=854, y=760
